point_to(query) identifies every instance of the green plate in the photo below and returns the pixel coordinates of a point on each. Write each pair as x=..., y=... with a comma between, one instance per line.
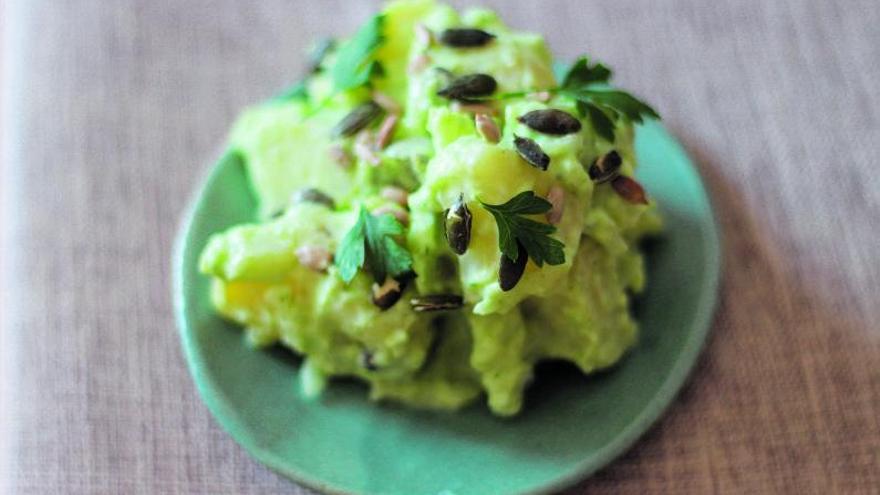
x=571, y=426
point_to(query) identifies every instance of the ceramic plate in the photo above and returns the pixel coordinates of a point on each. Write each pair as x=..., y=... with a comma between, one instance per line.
x=571, y=425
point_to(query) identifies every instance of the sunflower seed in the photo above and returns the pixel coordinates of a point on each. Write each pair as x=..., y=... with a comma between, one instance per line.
x=357, y=119
x=551, y=121
x=419, y=63
x=395, y=195
x=365, y=148
x=511, y=271
x=541, y=96
x=386, y=131
x=465, y=37
x=438, y=302
x=629, y=190
x=605, y=168
x=312, y=195
x=556, y=198
x=339, y=156
x=386, y=102
x=465, y=88
x=385, y=295
x=531, y=152
x=487, y=128
x=316, y=258
x=458, y=226
x=401, y=215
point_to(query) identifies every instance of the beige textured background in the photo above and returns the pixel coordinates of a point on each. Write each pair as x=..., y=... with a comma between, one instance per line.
x=111, y=109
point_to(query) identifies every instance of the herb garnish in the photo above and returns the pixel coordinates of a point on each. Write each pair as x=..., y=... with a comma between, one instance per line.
x=534, y=236
x=587, y=85
x=371, y=240
x=355, y=62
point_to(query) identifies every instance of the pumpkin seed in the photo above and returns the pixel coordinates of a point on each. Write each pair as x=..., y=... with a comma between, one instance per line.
x=629, y=190
x=385, y=295
x=465, y=37
x=312, y=195
x=438, y=302
x=531, y=152
x=458, y=226
x=511, y=271
x=466, y=88
x=551, y=121
x=357, y=119
x=606, y=167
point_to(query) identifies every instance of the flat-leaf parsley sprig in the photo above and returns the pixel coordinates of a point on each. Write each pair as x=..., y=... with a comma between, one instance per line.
x=587, y=84
x=534, y=236
x=371, y=241
x=356, y=60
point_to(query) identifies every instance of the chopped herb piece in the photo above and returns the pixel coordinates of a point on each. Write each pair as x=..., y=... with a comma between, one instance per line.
x=534, y=235
x=371, y=241
x=355, y=61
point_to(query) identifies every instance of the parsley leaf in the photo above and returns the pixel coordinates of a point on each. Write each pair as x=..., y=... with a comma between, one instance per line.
x=582, y=73
x=355, y=63
x=533, y=235
x=371, y=240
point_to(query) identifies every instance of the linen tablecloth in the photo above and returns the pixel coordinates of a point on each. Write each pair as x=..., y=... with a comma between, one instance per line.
x=112, y=110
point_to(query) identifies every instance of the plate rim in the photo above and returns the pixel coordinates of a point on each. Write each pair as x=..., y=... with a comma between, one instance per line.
x=662, y=399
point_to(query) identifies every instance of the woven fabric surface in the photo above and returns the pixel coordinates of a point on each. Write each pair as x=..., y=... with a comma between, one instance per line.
x=111, y=111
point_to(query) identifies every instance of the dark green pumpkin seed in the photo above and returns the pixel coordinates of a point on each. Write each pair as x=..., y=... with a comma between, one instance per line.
x=458, y=226
x=531, y=152
x=511, y=271
x=606, y=167
x=311, y=195
x=465, y=37
x=357, y=119
x=629, y=190
x=438, y=302
x=551, y=121
x=469, y=87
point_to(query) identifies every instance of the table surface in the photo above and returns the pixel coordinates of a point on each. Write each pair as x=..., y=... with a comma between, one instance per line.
x=113, y=109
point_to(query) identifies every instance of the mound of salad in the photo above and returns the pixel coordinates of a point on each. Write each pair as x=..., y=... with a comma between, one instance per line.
x=438, y=212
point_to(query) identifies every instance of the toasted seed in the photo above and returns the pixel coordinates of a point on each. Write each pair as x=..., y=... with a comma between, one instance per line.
x=316, y=258
x=556, y=197
x=366, y=360
x=465, y=37
x=357, y=119
x=419, y=63
x=465, y=88
x=551, y=121
x=395, y=194
x=458, y=226
x=487, y=128
x=339, y=155
x=437, y=302
x=386, y=102
x=385, y=295
x=386, y=131
x=511, y=271
x=606, y=167
x=629, y=190
x=401, y=215
x=424, y=36
x=531, y=152
x=312, y=195
x=365, y=148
